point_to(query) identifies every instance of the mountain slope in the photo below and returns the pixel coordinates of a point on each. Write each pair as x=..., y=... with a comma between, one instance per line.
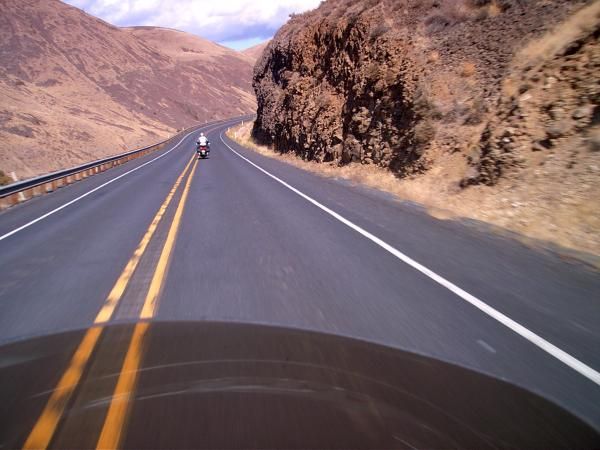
x=217, y=79
x=256, y=51
x=75, y=88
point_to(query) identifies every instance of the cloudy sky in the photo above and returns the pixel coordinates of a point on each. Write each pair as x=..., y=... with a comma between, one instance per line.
x=235, y=23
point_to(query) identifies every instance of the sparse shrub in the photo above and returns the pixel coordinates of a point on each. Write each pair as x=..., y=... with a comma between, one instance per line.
x=424, y=132
x=436, y=23
x=489, y=8
x=435, y=113
x=353, y=18
x=390, y=77
x=325, y=101
x=4, y=179
x=467, y=70
x=479, y=3
x=433, y=57
x=476, y=113
x=423, y=107
x=447, y=14
x=494, y=9
x=450, y=12
x=593, y=139
x=21, y=130
x=378, y=31
x=374, y=71
x=365, y=5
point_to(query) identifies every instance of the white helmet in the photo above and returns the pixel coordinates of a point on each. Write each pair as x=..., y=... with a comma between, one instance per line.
x=201, y=134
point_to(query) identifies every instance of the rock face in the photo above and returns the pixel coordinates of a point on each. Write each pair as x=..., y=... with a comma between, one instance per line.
x=398, y=83
x=339, y=89
x=550, y=103
x=74, y=88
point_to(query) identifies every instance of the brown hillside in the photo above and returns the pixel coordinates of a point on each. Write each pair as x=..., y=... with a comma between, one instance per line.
x=483, y=108
x=74, y=88
x=256, y=51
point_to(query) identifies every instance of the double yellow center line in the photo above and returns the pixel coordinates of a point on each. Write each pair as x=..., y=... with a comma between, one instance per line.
x=45, y=427
x=119, y=405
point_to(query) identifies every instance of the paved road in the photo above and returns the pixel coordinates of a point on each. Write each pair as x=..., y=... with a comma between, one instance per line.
x=240, y=237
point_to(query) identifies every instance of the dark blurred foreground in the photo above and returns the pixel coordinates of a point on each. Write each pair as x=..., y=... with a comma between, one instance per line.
x=224, y=385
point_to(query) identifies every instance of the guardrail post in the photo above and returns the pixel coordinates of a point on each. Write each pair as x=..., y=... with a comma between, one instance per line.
x=13, y=199
x=27, y=194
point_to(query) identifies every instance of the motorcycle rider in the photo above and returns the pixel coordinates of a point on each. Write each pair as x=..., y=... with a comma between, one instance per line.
x=203, y=141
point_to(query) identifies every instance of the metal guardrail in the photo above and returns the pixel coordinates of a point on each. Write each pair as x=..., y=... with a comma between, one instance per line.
x=21, y=191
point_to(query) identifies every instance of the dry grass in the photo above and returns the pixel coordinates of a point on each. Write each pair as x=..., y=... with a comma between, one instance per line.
x=555, y=42
x=118, y=92
x=4, y=179
x=468, y=69
x=433, y=57
x=427, y=192
x=494, y=10
x=507, y=205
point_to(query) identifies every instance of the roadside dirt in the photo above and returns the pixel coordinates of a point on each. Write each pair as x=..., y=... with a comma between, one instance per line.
x=570, y=227
x=485, y=109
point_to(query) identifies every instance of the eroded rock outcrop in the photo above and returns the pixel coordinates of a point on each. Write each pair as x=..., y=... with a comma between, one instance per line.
x=396, y=83
x=549, y=104
x=342, y=91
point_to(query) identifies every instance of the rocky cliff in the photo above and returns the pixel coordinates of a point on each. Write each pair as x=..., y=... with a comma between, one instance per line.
x=487, y=109
x=399, y=83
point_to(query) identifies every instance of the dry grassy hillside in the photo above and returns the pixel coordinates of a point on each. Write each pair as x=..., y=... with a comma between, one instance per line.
x=74, y=88
x=480, y=108
x=256, y=51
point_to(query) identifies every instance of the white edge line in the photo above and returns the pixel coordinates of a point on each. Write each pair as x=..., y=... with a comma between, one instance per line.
x=42, y=217
x=532, y=337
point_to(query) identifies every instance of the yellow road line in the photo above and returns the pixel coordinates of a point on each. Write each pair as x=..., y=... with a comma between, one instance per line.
x=120, y=404
x=44, y=428
x=42, y=432
x=161, y=268
x=119, y=288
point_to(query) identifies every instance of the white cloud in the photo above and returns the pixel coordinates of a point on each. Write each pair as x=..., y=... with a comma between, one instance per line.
x=218, y=20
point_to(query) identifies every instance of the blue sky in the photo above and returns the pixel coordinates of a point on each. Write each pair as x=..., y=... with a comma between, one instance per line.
x=238, y=24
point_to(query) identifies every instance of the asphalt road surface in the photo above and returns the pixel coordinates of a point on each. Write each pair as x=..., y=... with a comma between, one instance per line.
x=240, y=237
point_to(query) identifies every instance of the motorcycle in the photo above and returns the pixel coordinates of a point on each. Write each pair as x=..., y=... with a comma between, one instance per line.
x=202, y=151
